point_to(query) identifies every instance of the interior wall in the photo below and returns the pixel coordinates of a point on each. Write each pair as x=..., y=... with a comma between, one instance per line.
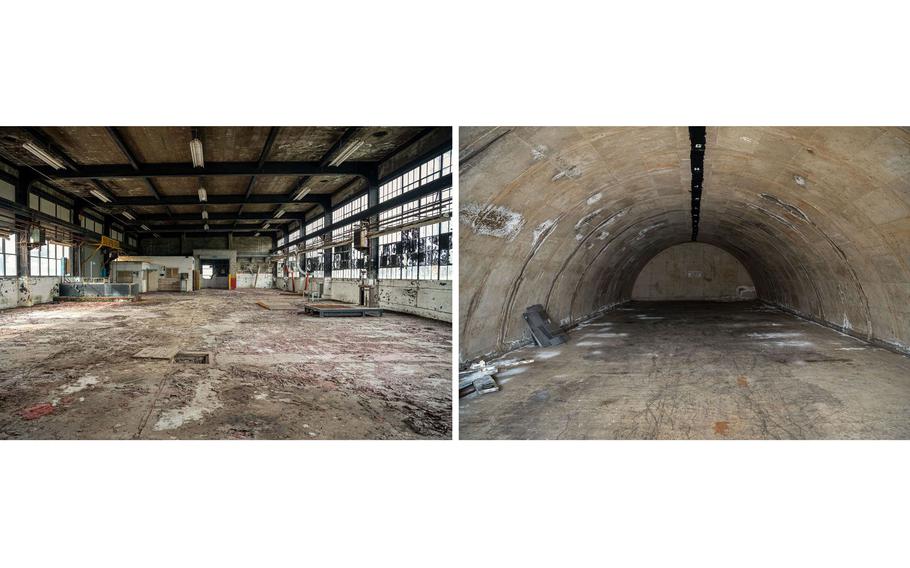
x=24, y=291
x=568, y=217
x=694, y=271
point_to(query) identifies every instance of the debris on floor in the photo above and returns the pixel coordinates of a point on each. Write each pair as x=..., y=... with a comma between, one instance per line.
x=479, y=379
x=543, y=330
x=37, y=411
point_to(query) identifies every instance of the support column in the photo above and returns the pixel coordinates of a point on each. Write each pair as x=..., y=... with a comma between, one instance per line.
x=24, y=182
x=372, y=201
x=327, y=253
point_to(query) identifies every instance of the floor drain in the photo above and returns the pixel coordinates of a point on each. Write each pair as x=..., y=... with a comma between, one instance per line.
x=192, y=357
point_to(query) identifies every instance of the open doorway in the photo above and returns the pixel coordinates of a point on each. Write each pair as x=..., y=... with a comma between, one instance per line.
x=215, y=273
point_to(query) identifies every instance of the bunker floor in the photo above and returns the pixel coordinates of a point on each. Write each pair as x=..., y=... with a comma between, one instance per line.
x=696, y=370
x=69, y=372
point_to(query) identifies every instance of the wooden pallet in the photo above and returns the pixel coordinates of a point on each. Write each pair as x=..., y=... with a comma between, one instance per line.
x=324, y=310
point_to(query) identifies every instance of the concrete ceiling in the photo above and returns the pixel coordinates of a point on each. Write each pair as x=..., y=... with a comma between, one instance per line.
x=94, y=146
x=568, y=217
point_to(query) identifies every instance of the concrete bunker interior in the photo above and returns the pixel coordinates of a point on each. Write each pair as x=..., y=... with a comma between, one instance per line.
x=154, y=282
x=715, y=282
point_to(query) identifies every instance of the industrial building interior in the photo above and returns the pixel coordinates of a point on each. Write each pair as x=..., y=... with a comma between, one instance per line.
x=700, y=282
x=225, y=282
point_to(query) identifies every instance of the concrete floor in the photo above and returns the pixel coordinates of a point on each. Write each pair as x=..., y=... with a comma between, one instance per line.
x=274, y=374
x=696, y=370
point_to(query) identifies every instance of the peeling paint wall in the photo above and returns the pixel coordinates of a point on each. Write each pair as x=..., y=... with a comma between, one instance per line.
x=431, y=299
x=27, y=291
x=427, y=298
x=820, y=218
x=694, y=271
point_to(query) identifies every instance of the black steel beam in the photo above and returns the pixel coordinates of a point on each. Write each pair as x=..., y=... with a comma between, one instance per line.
x=426, y=189
x=348, y=133
x=276, y=199
x=125, y=150
x=211, y=169
x=200, y=228
x=697, y=160
x=263, y=216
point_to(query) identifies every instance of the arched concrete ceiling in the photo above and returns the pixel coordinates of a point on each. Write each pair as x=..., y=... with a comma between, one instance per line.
x=567, y=217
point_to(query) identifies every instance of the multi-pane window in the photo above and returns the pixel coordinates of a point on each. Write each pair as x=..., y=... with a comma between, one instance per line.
x=8, y=255
x=350, y=208
x=424, y=173
x=90, y=224
x=421, y=252
x=48, y=207
x=49, y=260
x=347, y=261
x=315, y=259
x=116, y=235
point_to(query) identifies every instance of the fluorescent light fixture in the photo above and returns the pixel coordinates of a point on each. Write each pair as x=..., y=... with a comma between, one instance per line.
x=302, y=193
x=100, y=195
x=203, y=196
x=144, y=227
x=42, y=155
x=346, y=153
x=196, y=153
x=128, y=216
x=256, y=235
x=279, y=213
x=266, y=226
x=156, y=235
x=206, y=227
x=205, y=214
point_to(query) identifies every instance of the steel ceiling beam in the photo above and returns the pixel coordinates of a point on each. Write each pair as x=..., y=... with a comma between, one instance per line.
x=338, y=145
x=211, y=169
x=239, y=217
x=275, y=199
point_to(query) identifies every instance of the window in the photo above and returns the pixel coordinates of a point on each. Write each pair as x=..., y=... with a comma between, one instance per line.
x=314, y=260
x=7, y=190
x=8, y=256
x=116, y=234
x=48, y=207
x=350, y=208
x=428, y=171
x=90, y=224
x=422, y=252
x=49, y=260
x=347, y=262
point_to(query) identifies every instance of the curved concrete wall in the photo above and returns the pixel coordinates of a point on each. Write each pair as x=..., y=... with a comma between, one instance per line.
x=694, y=271
x=568, y=217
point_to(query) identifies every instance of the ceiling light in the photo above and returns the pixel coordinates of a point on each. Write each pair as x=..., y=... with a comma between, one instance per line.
x=206, y=227
x=156, y=235
x=344, y=155
x=300, y=194
x=196, y=153
x=42, y=155
x=128, y=216
x=203, y=196
x=279, y=213
x=205, y=214
x=266, y=226
x=100, y=195
x=256, y=235
x=144, y=227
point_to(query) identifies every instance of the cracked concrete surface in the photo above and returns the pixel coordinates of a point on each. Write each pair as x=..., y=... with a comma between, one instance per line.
x=274, y=374
x=696, y=370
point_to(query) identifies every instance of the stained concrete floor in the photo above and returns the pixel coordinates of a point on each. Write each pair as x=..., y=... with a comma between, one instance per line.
x=689, y=370
x=273, y=374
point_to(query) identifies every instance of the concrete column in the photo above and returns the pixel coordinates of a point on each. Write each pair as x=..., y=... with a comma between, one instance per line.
x=327, y=253
x=373, y=261
x=24, y=182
